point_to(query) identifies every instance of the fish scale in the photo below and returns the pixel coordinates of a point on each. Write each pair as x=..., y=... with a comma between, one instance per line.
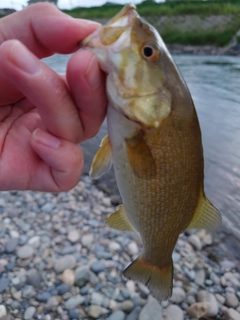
x=154, y=143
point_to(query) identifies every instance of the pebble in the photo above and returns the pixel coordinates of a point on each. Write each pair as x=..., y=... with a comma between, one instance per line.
x=28, y=292
x=114, y=246
x=11, y=245
x=195, y=241
x=68, y=277
x=74, y=314
x=34, y=242
x=94, y=311
x=82, y=276
x=199, y=277
x=4, y=282
x=43, y=297
x=34, y=278
x=98, y=266
x=132, y=248
x=198, y=309
x=231, y=300
x=73, y=302
x=25, y=252
x=3, y=311
x=117, y=315
x=173, y=312
x=205, y=296
x=151, y=310
x=73, y=235
x=66, y=262
x=134, y=314
x=29, y=313
x=178, y=295
x=231, y=314
x=87, y=240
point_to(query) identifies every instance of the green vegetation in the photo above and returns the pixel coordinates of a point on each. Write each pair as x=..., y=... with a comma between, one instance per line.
x=151, y=8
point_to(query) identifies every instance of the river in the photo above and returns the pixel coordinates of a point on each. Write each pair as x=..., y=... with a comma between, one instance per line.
x=214, y=82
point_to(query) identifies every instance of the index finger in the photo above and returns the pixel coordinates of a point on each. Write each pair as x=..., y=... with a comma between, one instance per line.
x=45, y=30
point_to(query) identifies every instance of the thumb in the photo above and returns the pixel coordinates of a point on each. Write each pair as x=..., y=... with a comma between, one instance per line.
x=60, y=165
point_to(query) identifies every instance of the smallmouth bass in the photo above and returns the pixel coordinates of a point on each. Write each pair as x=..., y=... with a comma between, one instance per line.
x=154, y=143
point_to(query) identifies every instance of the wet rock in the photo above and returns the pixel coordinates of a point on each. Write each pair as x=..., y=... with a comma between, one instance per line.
x=11, y=245
x=25, y=252
x=66, y=262
x=198, y=309
x=94, y=311
x=29, y=313
x=173, y=312
x=204, y=296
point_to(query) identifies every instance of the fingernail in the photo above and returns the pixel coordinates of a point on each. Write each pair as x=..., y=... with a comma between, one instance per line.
x=24, y=60
x=46, y=139
x=93, y=74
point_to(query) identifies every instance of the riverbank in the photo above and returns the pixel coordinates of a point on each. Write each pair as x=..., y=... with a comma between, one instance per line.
x=60, y=261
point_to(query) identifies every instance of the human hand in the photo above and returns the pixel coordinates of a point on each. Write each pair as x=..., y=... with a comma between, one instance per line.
x=43, y=115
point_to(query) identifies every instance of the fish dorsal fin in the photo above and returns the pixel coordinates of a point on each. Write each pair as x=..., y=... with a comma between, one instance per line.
x=206, y=216
x=102, y=161
x=119, y=220
x=140, y=157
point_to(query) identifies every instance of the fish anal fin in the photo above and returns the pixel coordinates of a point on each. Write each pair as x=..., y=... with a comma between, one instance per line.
x=206, y=216
x=140, y=157
x=119, y=220
x=158, y=280
x=102, y=161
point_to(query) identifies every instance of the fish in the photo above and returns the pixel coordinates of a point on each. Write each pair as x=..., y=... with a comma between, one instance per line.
x=154, y=144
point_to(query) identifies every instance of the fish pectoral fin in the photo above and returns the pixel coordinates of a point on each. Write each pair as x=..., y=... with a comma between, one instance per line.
x=102, y=161
x=158, y=280
x=119, y=220
x=206, y=216
x=140, y=157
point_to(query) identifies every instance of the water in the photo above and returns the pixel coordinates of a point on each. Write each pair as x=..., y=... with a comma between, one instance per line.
x=214, y=82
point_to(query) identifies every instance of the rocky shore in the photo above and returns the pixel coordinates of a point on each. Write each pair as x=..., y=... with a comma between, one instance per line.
x=60, y=261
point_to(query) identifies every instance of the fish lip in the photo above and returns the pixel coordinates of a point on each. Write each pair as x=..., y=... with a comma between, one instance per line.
x=125, y=17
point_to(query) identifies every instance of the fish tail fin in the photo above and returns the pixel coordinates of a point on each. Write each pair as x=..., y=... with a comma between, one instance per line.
x=158, y=280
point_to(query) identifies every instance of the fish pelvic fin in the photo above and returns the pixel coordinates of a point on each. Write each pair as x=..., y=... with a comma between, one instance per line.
x=206, y=216
x=119, y=220
x=158, y=280
x=102, y=161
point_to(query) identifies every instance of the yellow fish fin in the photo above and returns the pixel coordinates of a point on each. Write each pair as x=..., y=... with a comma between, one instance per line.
x=119, y=220
x=206, y=216
x=140, y=157
x=158, y=280
x=102, y=161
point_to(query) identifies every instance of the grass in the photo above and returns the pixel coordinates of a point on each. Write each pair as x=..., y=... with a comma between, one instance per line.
x=150, y=8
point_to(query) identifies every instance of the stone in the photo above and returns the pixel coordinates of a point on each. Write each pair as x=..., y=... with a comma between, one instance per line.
x=94, y=311
x=73, y=235
x=87, y=240
x=66, y=262
x=63, y=288
x=28, y=292
x=3, y=311
x=134, y=314
x=11, y=245
x=200, y=277
x=231, y=300
x=73, y=302
x=97, y=298
x=230, y=279
x=74, y=314
x=132, y=248
x=117, y=315
x=68, y=277
x=82, y=275
x=29, y=313
x=52, y=303
x=4, y=282
x=98, y=266
x=143, y=289
x=34, y=242
x=43, y=297
x=151, y=310
x=198, y=309
x=195, y=241
x=25, y=252
x=220, y=298
x=204, y=296
x=114, y=246
x=231, y=314
x=125, y=306
x=173, y=312
x=178, y=295
x=34, y=278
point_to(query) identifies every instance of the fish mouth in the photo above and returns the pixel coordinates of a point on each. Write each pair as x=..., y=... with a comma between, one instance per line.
x=113, y=29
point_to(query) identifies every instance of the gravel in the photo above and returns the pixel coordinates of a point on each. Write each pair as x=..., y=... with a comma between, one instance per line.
x=60, y=261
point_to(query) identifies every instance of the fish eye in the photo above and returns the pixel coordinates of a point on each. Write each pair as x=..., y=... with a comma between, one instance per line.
x=150, y=52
